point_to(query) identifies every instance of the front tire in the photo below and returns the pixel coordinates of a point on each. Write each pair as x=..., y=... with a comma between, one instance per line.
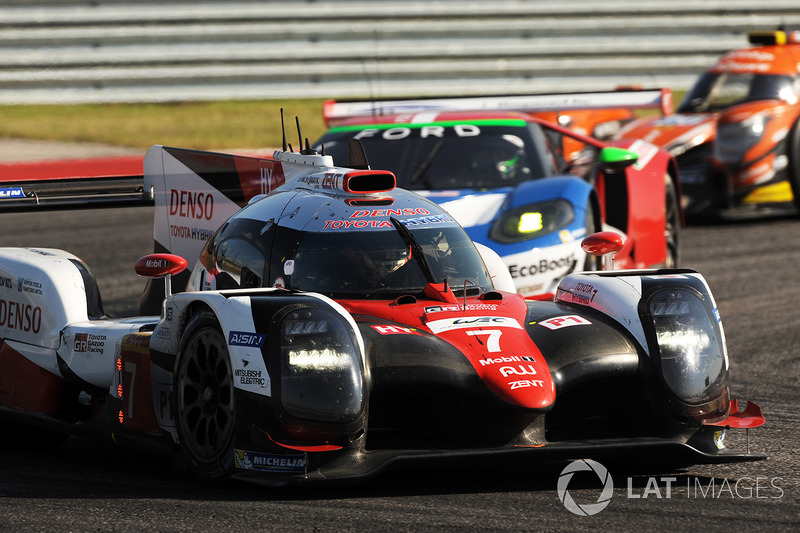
x=204, y=398
x=793, y=171
x=672, y=223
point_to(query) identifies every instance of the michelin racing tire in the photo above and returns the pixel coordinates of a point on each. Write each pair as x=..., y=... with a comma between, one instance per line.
x=205, y=415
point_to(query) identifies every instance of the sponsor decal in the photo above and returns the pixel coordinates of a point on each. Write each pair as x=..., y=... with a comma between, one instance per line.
x=332, y=180
x=394, y=134
x=584, y=293
x=20, y=316
x=250, y=377
x=190, y=204
x=267, y=462
x=440, y=326
x=348, y=224
x=89, y=343
x=524, y=383
x=519, y=370
x=543, y=266
x=432, y=219
x=186, y=232
x=645, y=151
x=279, y=283
x=29, y=286
x=41, y=252
x=6, y=283
x=458, y=308
x=395, y=330
x=565, y=321
x=385, y=213
x=680, y=120
x=244, y=338
x=268, y=178
x=719, y=439
x=507, y=359
x=310, y=180
x=11, y=192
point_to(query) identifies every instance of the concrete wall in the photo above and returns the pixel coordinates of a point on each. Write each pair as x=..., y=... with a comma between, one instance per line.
x=172, y=50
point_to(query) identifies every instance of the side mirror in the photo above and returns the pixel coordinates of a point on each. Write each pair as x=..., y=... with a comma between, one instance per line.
x=604, y=244
x=161, y=266
x=614, y=160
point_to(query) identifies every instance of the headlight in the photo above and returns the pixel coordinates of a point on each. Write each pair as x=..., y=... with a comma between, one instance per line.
x=690, y=345
x=736, y=138
x=533, y=220
x=321, y=374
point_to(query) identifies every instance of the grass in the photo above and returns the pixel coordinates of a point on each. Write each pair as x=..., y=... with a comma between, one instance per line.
x=200, y=125
x=218, y=125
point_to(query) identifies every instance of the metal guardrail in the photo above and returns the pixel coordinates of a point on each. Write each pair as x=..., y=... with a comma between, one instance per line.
x=113, y=50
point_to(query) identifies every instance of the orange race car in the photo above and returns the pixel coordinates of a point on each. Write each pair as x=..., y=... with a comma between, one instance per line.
x=736, y=134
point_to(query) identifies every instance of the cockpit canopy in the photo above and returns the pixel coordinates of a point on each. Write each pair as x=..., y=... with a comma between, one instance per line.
x=380, y=248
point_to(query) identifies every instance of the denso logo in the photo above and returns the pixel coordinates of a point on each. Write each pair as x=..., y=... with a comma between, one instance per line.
x=189, y=204
x=541, y=267
x=407, y=211
x=20, y=316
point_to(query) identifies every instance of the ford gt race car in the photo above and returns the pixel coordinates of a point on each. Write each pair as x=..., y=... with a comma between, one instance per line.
x=334, y=325
x=521, y=184
x=736, y=134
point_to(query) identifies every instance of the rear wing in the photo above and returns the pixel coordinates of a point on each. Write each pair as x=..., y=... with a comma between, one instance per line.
x=72, y=182
x=334, y=111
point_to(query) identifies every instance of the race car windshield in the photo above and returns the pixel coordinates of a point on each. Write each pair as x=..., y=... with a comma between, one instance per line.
x=718, y=91
x=377, y=264
x=446, y=155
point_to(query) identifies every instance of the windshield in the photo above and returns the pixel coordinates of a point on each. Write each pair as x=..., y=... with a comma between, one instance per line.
x=385, y=263
x=445, y=155
x=715, y=91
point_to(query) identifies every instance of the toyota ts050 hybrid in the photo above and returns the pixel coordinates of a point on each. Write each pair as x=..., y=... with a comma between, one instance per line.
x=515, y=174
x=334, y=325
x=736, y=134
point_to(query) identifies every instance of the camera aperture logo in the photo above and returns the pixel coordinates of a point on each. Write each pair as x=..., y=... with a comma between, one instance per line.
x=746, y=487
x=586, y=509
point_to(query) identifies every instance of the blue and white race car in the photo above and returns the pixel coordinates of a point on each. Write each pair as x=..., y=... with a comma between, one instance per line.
x=519, y=184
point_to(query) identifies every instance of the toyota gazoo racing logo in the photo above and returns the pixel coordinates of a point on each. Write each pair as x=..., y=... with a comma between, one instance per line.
x=586, y=509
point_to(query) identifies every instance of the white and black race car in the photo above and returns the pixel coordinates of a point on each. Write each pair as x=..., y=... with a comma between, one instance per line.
x=333, y=325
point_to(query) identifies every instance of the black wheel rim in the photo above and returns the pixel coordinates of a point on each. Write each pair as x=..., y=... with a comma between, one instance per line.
x=205, y=396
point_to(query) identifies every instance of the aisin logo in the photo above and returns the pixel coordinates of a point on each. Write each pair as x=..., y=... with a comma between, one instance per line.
x=587, y=509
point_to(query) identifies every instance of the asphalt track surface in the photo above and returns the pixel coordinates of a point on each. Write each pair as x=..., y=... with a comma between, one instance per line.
x=752, y=268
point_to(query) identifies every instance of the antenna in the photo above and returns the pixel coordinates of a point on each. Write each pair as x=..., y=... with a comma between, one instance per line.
x=299, y=135
x=283, y=131
x=308, y=149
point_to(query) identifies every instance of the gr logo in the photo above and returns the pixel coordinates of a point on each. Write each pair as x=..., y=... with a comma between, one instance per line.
x=586, y=509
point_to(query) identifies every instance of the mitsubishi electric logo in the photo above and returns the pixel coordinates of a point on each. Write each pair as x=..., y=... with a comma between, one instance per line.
x=587, y=509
